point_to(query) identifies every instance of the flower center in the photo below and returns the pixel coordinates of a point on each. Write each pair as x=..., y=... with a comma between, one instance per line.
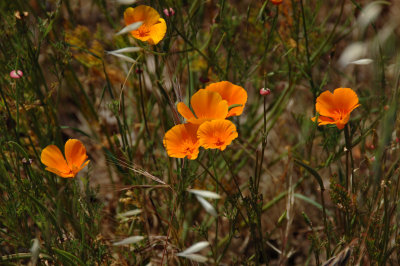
x=219, y=142
x=189, y=150
x=143, y=31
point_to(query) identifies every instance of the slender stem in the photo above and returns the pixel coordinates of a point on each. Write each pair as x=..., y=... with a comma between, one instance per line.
x=144, y=115
x=142, y=102
x=328, y=235
x=349, y=156
x=309, y=72
x=222, y=187
x=233, y=176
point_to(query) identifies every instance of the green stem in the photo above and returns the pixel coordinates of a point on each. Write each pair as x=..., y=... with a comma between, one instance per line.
x=309, y=72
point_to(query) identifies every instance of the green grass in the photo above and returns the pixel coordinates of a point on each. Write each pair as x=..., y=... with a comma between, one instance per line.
x=292, y=193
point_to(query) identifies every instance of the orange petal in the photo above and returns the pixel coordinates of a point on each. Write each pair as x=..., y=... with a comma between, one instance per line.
x=323, y=120
x=62, y=174
x=326, y=106
x=232, y=93
x=157, y=31
x=217, y=134
x=75, y=153
x=345, y=99
x=181, y=141
x=185, y=111
x=147, y=14
x=208, y=105
x=54, y=160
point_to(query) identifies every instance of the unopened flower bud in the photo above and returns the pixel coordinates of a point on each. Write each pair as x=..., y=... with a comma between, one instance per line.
x=265, y=92
x=169, y=12
x=16, y=74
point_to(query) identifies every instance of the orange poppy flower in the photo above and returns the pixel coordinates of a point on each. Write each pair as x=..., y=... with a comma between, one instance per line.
x=335, y=108
x=232, y=93
x=217, y=134
x=181, y=141
x=75, y=154
x=153, y=28
x=207, y=105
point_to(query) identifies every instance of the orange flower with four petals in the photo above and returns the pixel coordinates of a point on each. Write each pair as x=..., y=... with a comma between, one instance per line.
x=335, y=108
x=181, y=141
x=68, y=166
x=153, y=28
x=217, y=134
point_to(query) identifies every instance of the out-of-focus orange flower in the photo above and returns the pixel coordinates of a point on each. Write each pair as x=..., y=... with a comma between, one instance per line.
x=217, y=134
x=276, y=2
x=181, y=141
x=207, y=105
x=335, y=108
x=74, y=161
x=232, y=93
x=153, y=28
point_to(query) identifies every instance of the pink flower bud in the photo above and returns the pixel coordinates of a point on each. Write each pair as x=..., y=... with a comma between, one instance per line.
x=265, y=92
x=16, y=74
x=169, y=12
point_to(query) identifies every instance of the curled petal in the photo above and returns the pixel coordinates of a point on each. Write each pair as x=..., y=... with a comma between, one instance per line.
x=75, y=153
x=158, y=31
x=232, y=93
x=54, y=160
x=185, y=111
x=208, y=105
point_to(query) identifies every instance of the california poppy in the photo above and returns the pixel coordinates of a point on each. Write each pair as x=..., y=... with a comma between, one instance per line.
x=232, y=93
x=74, y=161
x=207, y=105
x=153, y=28
x=217, y=134
x=335, y=108
x=181, y=141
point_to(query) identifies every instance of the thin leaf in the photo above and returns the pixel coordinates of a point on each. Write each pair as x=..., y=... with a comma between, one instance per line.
x=126, y=50
x=130, y=27
x=205, y=193
x=194, y=257
x=207, y=206
x=129, y=240
x=194, y=248
x=313, y=172
x=69, y=257
x=123, y=57
x=364, y=61
x=130, y=213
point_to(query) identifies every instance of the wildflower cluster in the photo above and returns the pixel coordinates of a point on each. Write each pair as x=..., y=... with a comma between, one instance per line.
x=207, y=125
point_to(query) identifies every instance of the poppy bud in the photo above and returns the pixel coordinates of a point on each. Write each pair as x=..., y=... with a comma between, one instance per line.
x=265, y=92
x=16, y=74
x=169, y=12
